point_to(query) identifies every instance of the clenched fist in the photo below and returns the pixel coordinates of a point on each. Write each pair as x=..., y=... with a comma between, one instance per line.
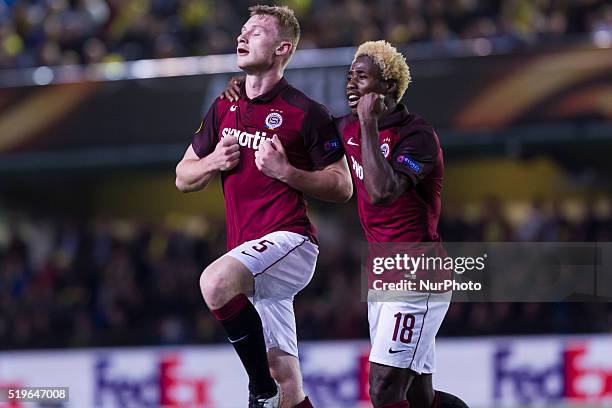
x=371, y=106
x=271, y=159
x=227, y=154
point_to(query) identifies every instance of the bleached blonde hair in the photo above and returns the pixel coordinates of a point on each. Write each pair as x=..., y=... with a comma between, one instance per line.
x=391, y=63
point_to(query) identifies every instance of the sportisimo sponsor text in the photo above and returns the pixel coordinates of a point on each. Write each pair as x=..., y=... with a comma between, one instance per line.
x=246, y=139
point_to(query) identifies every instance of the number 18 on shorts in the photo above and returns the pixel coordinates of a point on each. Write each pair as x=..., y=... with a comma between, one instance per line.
x=403, y=333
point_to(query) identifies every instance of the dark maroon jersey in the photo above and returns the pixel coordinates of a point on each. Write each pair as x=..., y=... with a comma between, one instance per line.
x=412, y=148
x=256, y=204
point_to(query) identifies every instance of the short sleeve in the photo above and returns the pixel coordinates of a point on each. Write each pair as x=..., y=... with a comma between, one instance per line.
x=206, y=137
x=321, y=137
x=417, y=153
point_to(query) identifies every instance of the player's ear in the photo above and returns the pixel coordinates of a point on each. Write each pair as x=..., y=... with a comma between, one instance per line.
x=391, y=87
x=284, y=48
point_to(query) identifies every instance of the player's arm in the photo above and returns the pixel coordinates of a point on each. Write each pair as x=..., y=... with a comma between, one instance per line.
x=194, y=173
x=207, y=155
x=383, y=184
x=331, y=183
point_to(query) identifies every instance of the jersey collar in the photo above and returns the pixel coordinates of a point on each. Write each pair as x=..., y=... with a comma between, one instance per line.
x=268, y=96
x=397, y=117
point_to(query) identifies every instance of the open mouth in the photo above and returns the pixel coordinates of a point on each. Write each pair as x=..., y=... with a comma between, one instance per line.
x=242, y=51
x=353, y=100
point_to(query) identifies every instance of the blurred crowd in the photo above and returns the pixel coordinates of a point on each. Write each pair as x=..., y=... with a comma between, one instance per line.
x=60, y=32
x=122, y=282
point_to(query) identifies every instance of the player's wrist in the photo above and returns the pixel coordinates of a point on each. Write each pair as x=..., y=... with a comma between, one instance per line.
x=288, y=173
x=369, y=128
x=214, y=164
x=368, y=120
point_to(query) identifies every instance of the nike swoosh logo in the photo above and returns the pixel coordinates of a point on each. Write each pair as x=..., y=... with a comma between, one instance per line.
x=247, y=254
x=351, y=143
x=237, y=340
x=391, y=351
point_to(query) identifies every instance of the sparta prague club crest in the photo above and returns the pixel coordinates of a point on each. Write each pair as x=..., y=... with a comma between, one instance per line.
x=384, y=149
x=273, y=120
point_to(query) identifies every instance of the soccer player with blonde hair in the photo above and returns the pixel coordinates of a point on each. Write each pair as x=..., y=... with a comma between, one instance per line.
x=398, y=170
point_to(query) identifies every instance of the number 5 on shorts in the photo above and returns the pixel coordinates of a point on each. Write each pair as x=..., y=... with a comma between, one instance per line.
x=407, y=323
x=260, y=247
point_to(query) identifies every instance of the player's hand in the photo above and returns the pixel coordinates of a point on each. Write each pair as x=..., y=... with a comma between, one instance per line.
x=232, y=92
x=371, y=106
x=271, y=159
x=227, y=154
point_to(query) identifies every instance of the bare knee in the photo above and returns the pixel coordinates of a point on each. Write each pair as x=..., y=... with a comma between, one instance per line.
x=388, y=384
x=421, y=392
x=222, y=280
x=382, y=390
x=285, y=369
x=214, y=289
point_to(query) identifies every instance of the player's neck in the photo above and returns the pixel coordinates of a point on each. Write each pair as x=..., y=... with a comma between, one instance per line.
x=260, y=83
x=391, y=105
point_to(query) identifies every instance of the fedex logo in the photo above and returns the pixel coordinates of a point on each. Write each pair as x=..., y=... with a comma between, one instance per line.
x=347, y=387
x=569, y=376
x=586, y=380
x=160, y=387
x=526, y=382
